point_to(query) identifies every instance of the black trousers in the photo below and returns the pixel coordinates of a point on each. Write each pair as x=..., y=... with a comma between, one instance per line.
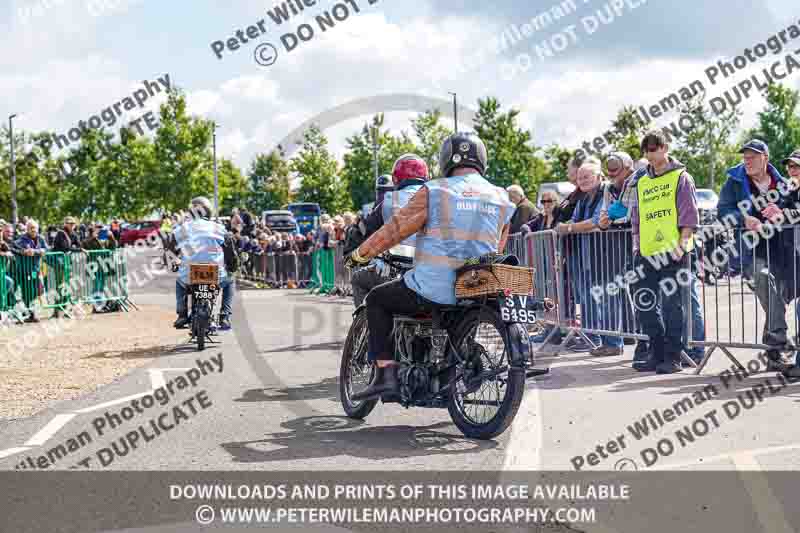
x=659, y=298
x=383, y=302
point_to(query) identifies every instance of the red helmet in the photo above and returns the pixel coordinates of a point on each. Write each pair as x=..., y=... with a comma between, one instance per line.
x=408, y=167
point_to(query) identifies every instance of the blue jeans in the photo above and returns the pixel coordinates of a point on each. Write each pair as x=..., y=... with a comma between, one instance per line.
x=182, y=292
x=698, y=324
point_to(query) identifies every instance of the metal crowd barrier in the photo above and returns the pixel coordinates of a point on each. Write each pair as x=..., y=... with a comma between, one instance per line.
x=58, y=280
x=747, y=281
x=735, y=283
x=278, y=270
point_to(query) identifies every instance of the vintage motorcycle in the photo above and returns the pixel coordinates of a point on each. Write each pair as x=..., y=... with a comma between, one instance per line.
x=203, y=290
x=472, y=358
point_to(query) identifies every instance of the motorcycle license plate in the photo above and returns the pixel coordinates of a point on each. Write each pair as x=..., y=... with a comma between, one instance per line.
x=517, y=308
x=200, y=273
x=204, y=292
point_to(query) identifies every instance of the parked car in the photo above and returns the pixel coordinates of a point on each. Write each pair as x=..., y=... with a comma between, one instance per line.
x=280, y=221
x=707, y=201
x=140, y=230
x=563, y=188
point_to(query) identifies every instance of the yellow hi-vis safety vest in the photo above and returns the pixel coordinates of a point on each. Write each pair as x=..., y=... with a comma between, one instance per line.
x=658, y=214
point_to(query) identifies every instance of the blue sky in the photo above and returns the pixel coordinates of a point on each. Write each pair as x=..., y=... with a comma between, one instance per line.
x=71, y=58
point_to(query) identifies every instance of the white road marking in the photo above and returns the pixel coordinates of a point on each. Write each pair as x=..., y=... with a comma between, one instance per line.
x=8, y=452
x=770, y=512
x=50, y=429
x=60, y=420
x=111, y=402
x=525, y=445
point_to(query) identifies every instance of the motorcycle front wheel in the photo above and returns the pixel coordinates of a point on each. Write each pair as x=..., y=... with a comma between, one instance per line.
x=488, y=391
x=355, y=371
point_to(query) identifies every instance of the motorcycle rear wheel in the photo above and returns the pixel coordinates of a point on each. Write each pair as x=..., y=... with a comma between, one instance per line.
x=202, y=323
x=490, y=335
x=354, y=366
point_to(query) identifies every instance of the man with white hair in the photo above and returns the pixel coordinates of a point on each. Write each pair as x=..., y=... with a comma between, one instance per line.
x=33, y=247
x=201, y=240
x=525, y=209
x=589, y=258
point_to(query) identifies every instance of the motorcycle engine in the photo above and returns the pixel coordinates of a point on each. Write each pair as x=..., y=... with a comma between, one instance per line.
x=414, y=382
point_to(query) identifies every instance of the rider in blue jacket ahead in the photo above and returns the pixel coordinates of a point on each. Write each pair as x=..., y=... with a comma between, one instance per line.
x=456, y=217
x=409, y=174
x=201, y=240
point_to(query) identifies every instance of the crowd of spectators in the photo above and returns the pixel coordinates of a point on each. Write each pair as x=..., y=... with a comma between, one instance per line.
x=25, y=253
x=607, y=200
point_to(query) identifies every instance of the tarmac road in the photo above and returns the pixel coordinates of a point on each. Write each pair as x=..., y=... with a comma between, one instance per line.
x=275, y=406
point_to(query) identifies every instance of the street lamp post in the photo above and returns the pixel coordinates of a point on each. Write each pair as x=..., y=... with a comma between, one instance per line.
x=455, y=111
x=216, y=177
x=13, y=172
x=375, y=151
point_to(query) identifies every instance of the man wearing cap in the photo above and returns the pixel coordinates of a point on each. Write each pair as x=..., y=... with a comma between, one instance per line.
x=751, y=198
x=663, y=218
x=588, y=266
x=615, y=215
x=66, y=242
x=102, y=262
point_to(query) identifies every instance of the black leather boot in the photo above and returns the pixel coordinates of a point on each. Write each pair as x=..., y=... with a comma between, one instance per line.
x=386, y=383
x=671, y=364
x=181, y=322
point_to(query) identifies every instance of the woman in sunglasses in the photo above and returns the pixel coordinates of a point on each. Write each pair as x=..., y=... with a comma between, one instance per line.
x=548, y=218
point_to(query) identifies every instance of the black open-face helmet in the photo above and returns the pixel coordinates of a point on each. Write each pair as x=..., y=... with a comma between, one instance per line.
x=462, y=149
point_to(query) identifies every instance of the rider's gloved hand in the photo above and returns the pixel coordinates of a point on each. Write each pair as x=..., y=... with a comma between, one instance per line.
x=354, y=260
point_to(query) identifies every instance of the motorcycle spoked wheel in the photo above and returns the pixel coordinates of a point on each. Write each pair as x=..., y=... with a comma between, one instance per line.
x=356, y=370
x=202, y=323
x=485, y=410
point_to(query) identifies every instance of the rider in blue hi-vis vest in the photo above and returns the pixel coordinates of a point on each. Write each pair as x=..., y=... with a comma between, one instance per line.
x=456, y=217
x=466, y=215
x=409, y=174
x=201, y=240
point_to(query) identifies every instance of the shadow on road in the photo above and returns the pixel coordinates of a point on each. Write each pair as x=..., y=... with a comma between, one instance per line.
x=332, y=345
x=139, y=353
x=328, y=388
x=319, y=437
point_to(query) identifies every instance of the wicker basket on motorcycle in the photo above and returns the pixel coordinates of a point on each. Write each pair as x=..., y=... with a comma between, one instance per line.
x=473, y=281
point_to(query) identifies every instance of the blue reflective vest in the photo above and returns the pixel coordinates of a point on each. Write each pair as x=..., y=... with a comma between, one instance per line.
x=394, y=201
x=200, y=241
x=466, y=215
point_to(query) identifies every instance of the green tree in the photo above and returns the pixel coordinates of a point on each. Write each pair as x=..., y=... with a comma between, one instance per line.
x=705, y=149
x=358, y=172
x=779, y=123
x=182, y=148
x=268, y=182
x=512, y=157
x=557, y=159
x=37, y=177
x=430, y=133
x=233, y=190
x=317, y=169
x=628, y=131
